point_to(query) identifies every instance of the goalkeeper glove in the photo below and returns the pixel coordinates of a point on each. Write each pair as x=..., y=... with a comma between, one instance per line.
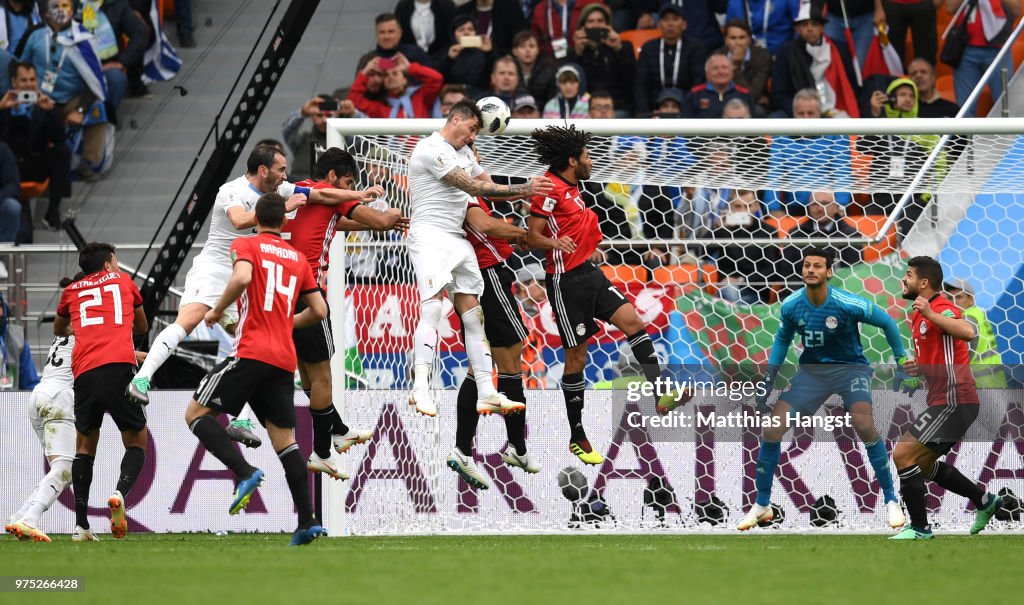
x=903, y=382
x=768, y=383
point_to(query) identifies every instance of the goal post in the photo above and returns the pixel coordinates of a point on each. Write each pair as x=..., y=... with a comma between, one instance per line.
x=703, y=221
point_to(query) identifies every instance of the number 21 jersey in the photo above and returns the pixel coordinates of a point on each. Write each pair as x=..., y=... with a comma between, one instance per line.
x=102, y=310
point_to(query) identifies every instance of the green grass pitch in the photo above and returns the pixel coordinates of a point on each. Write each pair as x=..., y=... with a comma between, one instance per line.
x=579, y=568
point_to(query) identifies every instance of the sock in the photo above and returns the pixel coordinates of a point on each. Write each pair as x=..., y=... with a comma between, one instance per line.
x=131, y=465
x=767, y=462
x=572, y=390
x=643, y=350
x=322, y=423
x=298, y=484
x=478, y=351
x=948, y=477
x=878, y=455
x=46, y=493
x=81, y=481
x=424, y=342
x=466, y=418
x=515, y=424
x=213, y=437
x=160, y=351
x=338, y=426
x=914, y=493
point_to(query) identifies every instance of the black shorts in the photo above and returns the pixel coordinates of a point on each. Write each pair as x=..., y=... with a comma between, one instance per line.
x=503, y=322
x=102, y=390
x=314, y=343
x=940, y=427
x=577, y=298
x=269, y=391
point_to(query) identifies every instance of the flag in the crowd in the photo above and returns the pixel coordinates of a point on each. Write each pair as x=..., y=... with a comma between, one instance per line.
x=993, y=18
x=161, y=61
x=882, y=57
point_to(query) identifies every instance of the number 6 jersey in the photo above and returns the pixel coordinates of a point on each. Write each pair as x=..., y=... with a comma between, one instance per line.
x=280, y=277
x=102, y=310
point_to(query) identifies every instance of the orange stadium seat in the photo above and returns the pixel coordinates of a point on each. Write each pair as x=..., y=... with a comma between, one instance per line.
x=784, y=224
x=869, y=225
x=33, y=189
x=638, y=37
x=624, y=274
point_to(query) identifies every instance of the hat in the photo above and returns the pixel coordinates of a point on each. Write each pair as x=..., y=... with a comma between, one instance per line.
x=459, y=21
x=567, y=69
x=811, y=10
x=669, y=93
x=959, y=284
x=591, y=8
x=530, y=272
x=671, y=7
x=524, y=100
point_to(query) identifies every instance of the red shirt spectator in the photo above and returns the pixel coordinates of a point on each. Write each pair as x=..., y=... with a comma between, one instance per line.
x=404, y=100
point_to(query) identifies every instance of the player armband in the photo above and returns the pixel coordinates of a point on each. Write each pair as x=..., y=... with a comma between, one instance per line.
x=303, y=190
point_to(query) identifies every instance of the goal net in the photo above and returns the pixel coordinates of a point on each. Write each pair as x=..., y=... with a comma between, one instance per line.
x=703, y=223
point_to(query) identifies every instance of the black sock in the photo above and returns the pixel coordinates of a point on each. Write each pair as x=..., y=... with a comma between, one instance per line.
x=298, y=484
x=131, y=466
x=643, y=350
x=338, y=426
x=216, y=441
x=322, y=422
x=515, y=424
x=949, y=478
x=466, y=417
x=913, y=491
x=572, y=390
x=81, y=481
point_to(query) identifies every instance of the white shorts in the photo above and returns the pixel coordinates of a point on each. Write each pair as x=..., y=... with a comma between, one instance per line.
x=204, y=284
x=54, y=422
x=440, y=259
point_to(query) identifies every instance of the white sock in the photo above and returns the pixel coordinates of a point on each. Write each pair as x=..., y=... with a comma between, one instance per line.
x=479, y=352
x=166, y=341
x=49, y=488
x=26, y=506
x=425, y=342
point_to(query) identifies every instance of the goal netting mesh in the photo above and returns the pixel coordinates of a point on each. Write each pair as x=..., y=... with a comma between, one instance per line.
x=703, y=223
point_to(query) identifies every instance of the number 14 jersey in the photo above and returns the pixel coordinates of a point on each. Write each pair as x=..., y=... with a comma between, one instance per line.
x=102, y=310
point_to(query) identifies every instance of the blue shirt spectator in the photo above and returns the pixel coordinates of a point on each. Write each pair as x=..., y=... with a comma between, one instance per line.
x=771, y=30
x=820, y=161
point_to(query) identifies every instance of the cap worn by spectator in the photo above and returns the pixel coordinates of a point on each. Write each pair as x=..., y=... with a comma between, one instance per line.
x=669, y=93
x=669, y=7
x=959, y=284
x=530, y=272
x=811, y=11
x=524, y=101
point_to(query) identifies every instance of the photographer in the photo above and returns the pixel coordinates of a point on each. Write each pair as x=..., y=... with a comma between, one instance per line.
x=469, y=60
x=607, y=61
x=300, y=142
x=31, y=126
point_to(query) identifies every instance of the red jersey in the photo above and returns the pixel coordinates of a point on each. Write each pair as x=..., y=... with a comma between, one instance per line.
x=945, y=361
x=567, y=216
x=102, y=310
x=280, y=276
x=312, y=229
x=490, y=251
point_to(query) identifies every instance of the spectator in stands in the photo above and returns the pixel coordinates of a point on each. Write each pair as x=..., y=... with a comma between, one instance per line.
x=404, y=100
x=19, y=369
x=36, y=136
x=525, y=106
x=504, y=80
x=930, y=102
x=812, y=60
x=553, y=22
x=572, y=101
x=450, y=95
x=78, y=81
x=301, y=141
x=10, y=189
x=389, y=43
x=701, y=23
x=602, y=105
x=673, y=61
x=746, y=273
x=862, y=15
x=987, y=31
x=536, y=72
x=708, y=100
x=919, y=17
x=736, y=109
x=769, y=31
x=426, y=23
x=16, y=18
x=820, y=159
x=752, y=64
x=500, y=19
x=471, y=64
x=121, y=40
x=608, y=63
x=825, y=220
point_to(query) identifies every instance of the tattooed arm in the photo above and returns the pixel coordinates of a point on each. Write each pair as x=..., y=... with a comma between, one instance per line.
x=460, y=179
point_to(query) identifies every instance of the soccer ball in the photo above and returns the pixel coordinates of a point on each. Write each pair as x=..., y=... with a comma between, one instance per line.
x=496, y=115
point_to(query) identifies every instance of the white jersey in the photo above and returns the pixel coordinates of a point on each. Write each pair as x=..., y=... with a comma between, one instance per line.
x=237, y=193
x=57, y=374
x=437, y=205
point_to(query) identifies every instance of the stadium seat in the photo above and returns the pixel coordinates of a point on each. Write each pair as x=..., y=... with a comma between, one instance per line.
x=944, y=84
x=678, y=275
x=784, y=224
x=869, y=225
x=638, y=37
x=624, y=274
x=33, y=189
